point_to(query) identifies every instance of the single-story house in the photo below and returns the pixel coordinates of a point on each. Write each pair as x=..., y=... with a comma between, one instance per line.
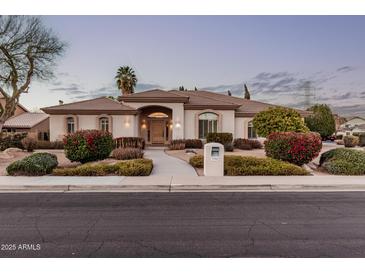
x=159, y=116
x=35, y=124
x=352, y=125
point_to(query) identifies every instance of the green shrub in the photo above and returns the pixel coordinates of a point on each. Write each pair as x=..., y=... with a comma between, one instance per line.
x=220, y=137
x=350, y=141
x=137, y=167
x=278, y=119
x=129, y=142
x=247, y=144
x=37, y=164
x=177, y=144
x=293, y=147
x=343, y=161
x=127, y=153
x=49, y=145
x=29, y=143
x=321, y=121
x=88, y=145
x=247, y=165
x=197, y=161
x=252, y=166
x=193, y=143
x=8, y=140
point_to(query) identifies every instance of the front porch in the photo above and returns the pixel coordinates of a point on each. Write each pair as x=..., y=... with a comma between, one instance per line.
x=156, y=125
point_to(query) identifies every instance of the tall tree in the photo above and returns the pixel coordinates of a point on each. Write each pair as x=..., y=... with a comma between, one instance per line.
x=181, y=88
x=247, y=93
x=195, y=89
x=126, y=80
x=229, y=93
x=321, y=121
x=28, y=51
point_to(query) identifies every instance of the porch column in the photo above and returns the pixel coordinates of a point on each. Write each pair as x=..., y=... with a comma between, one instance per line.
x=178, y=122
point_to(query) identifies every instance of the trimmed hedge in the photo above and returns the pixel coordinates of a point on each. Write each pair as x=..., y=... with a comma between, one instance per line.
x=8, y=140
x=220, y=137
x=37, y=164
x=180, y=144
x=293, y=147
x=252, y=166
x=129, y=142
x=193, y=143
x=343, y=161
x=247, y=144
x=127, y=153
x=197, y=161
x=177, y=144
x=88, y=145
x=350, y=141
x=137, y=167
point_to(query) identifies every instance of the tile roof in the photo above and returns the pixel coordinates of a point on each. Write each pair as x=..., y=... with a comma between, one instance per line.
x=154, y=95
x=26, y=120
x=101, y=105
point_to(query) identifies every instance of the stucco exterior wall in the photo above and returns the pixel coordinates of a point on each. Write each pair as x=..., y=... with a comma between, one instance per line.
x=178, y=117
x=121, y=125
x=124, y=125
x=226, y=123
x=353, y=122
x=56, y=127
x=241, y=127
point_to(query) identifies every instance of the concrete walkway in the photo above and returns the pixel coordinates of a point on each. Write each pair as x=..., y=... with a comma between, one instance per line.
x=165, y=165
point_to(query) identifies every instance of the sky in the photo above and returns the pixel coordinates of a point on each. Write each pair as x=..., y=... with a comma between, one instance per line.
x=288, y=60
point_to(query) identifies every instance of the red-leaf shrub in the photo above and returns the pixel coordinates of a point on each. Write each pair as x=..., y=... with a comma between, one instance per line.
x=88, y=145
x=296, y=148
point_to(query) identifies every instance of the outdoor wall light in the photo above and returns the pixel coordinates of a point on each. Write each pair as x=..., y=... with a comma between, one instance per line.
x=143, y=126
x=178, y=125
x=127, y=124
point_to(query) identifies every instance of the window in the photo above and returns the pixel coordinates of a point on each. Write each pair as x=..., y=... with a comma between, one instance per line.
x=208, y=122
x=251, y=131
x=104, y=124
x=70, y=125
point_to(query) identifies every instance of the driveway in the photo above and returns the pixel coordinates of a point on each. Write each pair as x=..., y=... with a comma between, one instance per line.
x=164, y=164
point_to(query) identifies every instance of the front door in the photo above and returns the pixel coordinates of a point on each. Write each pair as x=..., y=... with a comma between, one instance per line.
x=158, y=131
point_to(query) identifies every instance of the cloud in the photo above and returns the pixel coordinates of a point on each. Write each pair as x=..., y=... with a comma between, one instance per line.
x=345, y=69
x=70, y=89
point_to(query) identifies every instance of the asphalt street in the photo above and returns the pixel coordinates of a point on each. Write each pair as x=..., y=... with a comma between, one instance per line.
x=182, y=224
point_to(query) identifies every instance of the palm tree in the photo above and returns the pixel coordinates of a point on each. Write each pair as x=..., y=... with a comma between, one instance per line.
x=126, y=80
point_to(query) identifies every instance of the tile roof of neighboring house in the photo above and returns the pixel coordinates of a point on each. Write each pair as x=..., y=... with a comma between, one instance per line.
x=101, y=105
x=26, y=120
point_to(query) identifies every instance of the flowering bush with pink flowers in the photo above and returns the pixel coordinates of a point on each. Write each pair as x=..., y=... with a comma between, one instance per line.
x=293, y=147
x=88, y=145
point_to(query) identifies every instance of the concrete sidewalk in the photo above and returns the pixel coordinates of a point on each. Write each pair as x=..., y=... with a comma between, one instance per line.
x=181, y=184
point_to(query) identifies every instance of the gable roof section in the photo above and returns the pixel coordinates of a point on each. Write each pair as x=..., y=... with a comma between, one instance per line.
x=101, y=105
x=156, y=96
x=25, y=120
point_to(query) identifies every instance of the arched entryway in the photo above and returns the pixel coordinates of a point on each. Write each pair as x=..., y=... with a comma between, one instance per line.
x=155, y=125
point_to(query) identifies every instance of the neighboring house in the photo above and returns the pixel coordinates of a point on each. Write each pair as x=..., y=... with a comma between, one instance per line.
x=159, y=116
x=35, y=124
x=19, y=108
x=352, y=125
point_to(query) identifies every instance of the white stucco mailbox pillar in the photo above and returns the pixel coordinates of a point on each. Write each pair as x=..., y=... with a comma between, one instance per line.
x=213, y=159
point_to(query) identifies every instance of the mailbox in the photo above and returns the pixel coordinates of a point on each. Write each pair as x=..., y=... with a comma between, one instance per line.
x=213, y=159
